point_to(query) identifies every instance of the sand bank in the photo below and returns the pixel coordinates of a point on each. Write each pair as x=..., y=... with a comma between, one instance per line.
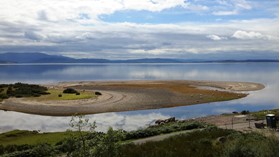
x=131, y=95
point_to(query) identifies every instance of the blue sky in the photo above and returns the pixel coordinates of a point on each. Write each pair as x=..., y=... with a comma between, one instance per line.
x=180, y=14
x=124, y=29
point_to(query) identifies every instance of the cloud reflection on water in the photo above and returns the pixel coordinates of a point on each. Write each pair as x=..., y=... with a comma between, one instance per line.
x=13, y=120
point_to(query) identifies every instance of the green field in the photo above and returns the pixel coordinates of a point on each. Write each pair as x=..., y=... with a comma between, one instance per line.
x=20, y=137
x=40, y=93
x=263, y=113
x=64, y=96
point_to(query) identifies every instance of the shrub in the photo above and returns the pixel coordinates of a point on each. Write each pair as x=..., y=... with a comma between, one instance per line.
x=4, y=96
x=59, y=95
x=23, y=90
x=167, y=128
x=251, y=145
x=98, y=93
x=70, y=91
x=245, y=112
x=2, y=149
x=77, y=93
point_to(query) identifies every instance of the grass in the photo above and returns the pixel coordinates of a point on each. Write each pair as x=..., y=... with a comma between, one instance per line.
x=263, y=113
x=211, y=142
x=20, y=137
x=258, y=114
x=163, y=129
x=198, y=143
x=37, y=92
x=65, y=96
x=3, y=92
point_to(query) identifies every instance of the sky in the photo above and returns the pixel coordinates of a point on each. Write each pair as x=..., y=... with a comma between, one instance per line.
x=128, y=29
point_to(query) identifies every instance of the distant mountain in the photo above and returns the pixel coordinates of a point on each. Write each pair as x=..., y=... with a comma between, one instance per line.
x=31, y=57
x=45, y=58
x=148, y=60
x=4, y=62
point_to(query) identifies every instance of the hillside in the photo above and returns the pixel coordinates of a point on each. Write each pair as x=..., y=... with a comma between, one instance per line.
x=27, y=57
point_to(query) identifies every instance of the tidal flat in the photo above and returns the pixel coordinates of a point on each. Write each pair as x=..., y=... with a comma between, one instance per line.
x=120, y=96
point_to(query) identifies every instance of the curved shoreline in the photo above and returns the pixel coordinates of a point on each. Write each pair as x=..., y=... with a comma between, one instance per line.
x=132, y=95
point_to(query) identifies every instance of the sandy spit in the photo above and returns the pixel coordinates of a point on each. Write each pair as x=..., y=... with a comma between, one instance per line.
x=132, y=95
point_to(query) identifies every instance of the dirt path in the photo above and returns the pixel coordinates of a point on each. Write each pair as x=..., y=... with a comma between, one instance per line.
x=162, y=136
x=239, y=125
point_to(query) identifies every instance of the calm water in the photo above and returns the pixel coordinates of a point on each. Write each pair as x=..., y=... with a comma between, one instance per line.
x=265, y=73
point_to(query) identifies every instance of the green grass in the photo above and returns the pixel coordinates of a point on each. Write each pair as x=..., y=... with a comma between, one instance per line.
x=263, y=113
x=55, y=92
x=163, y=129
x=20, y=137
x=258, y=114
x=3, y=92
x=208, y=143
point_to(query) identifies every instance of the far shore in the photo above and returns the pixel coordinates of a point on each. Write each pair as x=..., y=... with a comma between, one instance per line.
x=120, y=96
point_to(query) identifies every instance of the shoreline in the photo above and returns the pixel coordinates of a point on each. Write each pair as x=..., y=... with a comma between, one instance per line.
x=120, y=96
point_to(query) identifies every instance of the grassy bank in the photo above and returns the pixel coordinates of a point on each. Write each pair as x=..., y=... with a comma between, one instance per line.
x=262, y=114
x=24, y=137
x=211, y=142
x=19, y=90
x=40, y=93
x=54, y=95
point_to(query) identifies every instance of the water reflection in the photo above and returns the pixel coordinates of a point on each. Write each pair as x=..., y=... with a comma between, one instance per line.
x=15, y=120
x=213, y=71
x=266, y=73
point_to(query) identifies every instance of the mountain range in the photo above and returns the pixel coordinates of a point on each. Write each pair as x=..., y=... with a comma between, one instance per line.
x=45, y=58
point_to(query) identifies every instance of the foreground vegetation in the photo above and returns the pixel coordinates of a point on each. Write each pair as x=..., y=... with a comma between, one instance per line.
x=83, y=141
x=24, y=137
x=211, y=142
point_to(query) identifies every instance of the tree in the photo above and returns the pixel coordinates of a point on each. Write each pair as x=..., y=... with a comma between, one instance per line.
x=81, y=125
x=110, y=144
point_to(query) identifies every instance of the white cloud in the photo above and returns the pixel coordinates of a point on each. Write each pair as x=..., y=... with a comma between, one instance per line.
x=215, y=37
x=248, y=35
x=242, y=4
x=225, y=13
x=231, y=7
x=155, y=5
x=72, y=27
x=65, y=10
x=131, y=40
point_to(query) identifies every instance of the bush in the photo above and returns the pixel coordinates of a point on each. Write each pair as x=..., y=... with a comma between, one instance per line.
x=245, y=112
x=41, y=150
x=98, y=93
x=22, y=90
x=59, y=95
x=70, y=91
x=251, y=145
x=4, y=96
x=198, y=143
x=2, y=149
x=167, y=128
x=77, y=93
